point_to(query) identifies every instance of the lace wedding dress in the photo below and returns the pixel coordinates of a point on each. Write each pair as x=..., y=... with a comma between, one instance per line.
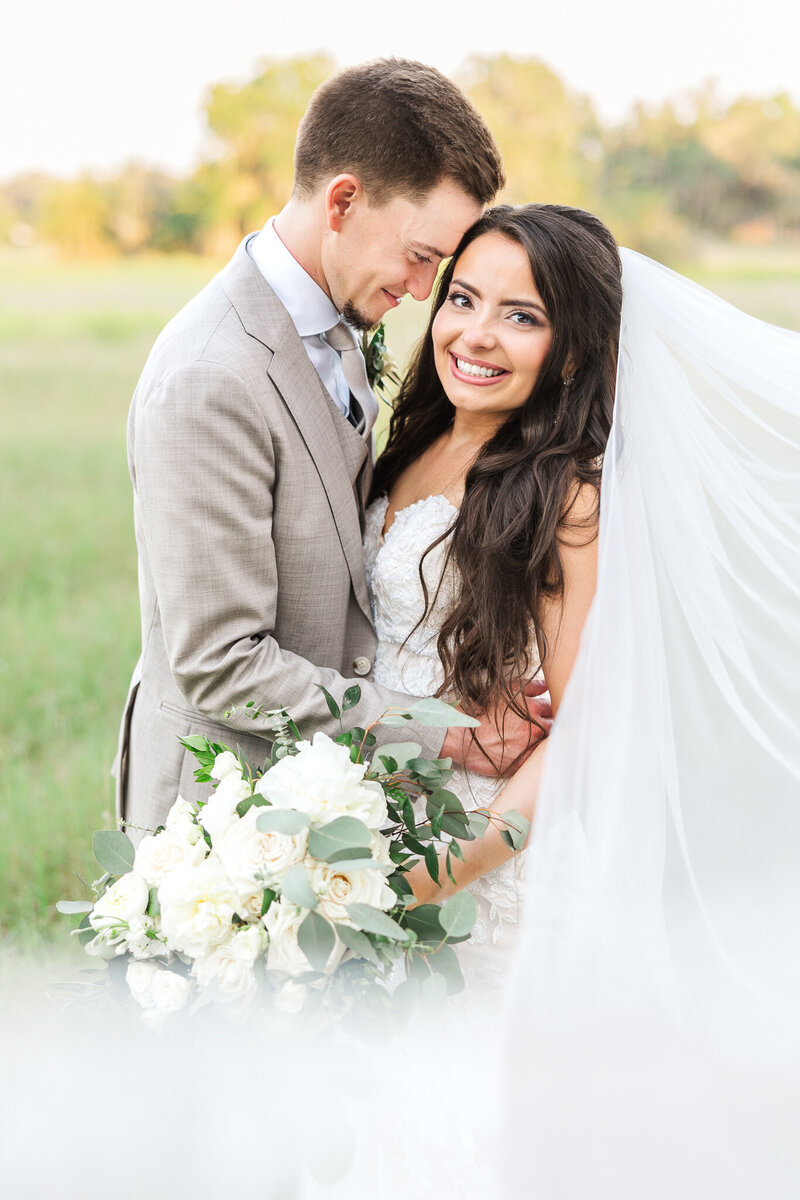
x=406, y=660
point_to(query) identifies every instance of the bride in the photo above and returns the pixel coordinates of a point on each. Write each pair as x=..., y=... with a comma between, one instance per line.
x=481, y=543
x=655, y=980
x=667, y=827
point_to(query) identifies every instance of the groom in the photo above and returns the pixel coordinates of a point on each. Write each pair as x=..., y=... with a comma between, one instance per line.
x=249, y=438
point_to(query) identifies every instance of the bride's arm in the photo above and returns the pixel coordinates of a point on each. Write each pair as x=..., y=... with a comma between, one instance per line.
x=562, y=622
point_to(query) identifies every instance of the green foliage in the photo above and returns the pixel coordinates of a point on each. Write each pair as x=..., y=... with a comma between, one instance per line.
x=342, y=838
x=282, y=820
x=316, y=939
x=114, y=850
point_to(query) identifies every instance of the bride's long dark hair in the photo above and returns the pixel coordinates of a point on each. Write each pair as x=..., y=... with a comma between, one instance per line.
x=521, y=487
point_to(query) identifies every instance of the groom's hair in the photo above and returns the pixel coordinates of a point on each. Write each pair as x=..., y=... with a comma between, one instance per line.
x=400, y=127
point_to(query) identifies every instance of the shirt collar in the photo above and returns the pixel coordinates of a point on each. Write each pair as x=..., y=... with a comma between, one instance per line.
x=312, y=312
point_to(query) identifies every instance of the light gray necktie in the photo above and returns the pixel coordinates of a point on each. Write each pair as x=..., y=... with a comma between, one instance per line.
x=342, y=340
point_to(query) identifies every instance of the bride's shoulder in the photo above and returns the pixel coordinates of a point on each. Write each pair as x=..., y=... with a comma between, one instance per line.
x=580, y=513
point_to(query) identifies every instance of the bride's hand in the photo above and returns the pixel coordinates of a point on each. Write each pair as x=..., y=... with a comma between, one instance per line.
x=505, y=740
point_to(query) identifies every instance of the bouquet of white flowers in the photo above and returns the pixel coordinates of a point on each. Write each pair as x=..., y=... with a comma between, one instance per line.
x=286, y=889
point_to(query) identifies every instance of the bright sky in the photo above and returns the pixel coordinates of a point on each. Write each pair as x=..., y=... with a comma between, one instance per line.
x=93, y=83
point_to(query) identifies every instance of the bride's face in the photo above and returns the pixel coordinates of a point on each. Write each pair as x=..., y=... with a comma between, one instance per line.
x=492, y=334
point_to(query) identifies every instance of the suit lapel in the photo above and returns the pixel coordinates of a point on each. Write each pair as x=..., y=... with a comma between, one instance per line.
x=337, y=450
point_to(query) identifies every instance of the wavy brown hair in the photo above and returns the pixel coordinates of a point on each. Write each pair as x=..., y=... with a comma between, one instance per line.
x=521, y=487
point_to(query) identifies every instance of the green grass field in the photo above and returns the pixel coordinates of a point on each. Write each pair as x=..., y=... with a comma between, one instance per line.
x=72, y=342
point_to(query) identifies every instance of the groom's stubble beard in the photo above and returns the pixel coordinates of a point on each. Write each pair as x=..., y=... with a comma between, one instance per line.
x=357, y=319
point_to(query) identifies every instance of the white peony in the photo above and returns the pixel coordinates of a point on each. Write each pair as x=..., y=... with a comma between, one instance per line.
x=230, y=969
x=225, y=764
x=379, y=849
x=291, y=997
x=336, y=889
x=197, y=904
x=254, y=859
x=219, y=813
x=126, y=898
x=283, y=921
x=181, y=812
x=139, y=978
x=159, y=853
x=158, y=991
x=322, y=781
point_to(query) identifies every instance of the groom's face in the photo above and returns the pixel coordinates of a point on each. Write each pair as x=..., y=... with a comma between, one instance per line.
x=373, y=255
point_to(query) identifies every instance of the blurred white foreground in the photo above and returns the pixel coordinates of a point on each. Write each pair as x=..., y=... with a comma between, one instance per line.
x=95, y=1106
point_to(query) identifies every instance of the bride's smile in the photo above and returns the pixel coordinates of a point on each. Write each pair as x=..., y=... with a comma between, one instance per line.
x=493, y=333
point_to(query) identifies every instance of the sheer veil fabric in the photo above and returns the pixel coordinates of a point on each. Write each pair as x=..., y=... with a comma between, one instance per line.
x=664, y=869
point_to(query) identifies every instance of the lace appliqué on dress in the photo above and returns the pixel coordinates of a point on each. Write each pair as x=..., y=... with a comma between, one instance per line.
x=406, y=660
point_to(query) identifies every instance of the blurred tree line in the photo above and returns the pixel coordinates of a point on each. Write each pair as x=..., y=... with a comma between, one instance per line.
x=693, y=166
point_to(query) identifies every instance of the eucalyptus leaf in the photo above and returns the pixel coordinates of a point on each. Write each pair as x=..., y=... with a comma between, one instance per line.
x=282, y=820
x=372, y=920
x=358, y=864
x=458, y=914
x=333, y=707
x=346, y=834
x=517, y=829
x=395, y=719
x=114, y=850
x=351, y=697
x=254, y=801
x=478, y=822
x=316, y=939
x=445, y=963
x=439, y=715
x=429, y=768
x=432, y=863
x=457, y=825
x=424, y=920
x=433, y=990
x=401, y=752
x=74, y=906
x=296, y=888
x=358, y=942
x=448, y=800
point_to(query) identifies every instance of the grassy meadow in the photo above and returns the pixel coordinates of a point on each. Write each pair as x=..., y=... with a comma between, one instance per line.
x=73, y=338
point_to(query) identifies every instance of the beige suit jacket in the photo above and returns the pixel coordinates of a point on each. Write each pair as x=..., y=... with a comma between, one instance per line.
x=249, y=487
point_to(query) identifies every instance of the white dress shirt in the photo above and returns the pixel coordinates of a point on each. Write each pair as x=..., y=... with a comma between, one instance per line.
x=312, y=312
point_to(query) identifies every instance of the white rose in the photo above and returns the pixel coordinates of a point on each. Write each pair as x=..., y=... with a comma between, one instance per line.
x=230, y=969
x=322, y=781
x=139, y=977
x=225, y=764
x=126, y=898
x=197, y=904
x=219, y=813
x=379, y=849
x=291, y=997
x=283, y=921
x=159, y=853
x=336, y=889
x=181, y=812
x=169, y=992
x=252, y=858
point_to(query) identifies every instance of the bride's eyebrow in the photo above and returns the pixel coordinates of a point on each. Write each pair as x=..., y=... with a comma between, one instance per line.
x=503, y=303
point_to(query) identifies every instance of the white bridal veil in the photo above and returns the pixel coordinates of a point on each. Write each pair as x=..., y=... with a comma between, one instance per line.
x=665, y=860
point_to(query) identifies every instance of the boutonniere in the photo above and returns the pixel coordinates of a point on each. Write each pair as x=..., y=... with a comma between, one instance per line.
x=382, y=369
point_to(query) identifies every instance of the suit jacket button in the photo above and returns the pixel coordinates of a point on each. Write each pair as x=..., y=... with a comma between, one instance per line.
x=362, y=665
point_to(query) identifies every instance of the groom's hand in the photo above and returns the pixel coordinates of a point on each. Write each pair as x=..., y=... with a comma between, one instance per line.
x=504, y=740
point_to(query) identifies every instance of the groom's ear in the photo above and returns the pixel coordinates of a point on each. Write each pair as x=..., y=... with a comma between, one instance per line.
x=342, y=196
